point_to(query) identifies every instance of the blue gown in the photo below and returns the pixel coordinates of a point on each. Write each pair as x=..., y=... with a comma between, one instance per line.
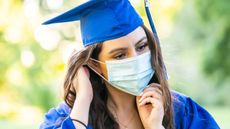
x=187, y=115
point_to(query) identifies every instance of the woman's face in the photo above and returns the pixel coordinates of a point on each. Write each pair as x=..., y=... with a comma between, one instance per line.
x=133, y=44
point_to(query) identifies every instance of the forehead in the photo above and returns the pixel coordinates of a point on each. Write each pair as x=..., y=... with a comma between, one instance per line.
x=129, y=39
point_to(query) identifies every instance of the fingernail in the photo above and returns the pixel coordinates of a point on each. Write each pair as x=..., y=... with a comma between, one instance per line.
x=140, y=100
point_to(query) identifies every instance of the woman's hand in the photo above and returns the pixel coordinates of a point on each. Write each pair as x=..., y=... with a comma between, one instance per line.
x=83, y=85
x=150, y=107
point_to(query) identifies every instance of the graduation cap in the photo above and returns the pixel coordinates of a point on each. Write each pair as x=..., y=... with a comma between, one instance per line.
x=102, y=20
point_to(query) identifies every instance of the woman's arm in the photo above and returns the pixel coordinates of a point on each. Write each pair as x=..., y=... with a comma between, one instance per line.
x=84, y=91
x=61, y=117
x=80, y=112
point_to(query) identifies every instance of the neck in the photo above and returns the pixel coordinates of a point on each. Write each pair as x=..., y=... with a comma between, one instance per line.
x=123, y=106
x=120, y=101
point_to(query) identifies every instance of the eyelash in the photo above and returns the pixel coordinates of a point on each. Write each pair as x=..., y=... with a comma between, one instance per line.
x=142, y=47
x=122, y=55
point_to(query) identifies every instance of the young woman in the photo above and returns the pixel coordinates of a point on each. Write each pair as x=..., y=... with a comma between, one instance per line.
x=119, y=80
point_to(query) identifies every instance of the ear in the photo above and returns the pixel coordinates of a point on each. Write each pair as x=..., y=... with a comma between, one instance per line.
x=95, y=65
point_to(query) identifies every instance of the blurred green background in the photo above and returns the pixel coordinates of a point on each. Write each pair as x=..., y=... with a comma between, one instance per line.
x=194, y=35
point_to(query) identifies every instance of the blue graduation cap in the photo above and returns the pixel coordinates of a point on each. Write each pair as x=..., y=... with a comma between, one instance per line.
x=102, y=20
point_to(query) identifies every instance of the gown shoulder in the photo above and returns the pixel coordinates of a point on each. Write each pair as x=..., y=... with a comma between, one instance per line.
x=188, y=114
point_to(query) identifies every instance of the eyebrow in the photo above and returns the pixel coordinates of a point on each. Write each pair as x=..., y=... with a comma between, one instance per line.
x=143, y=38
x=125, y=48
x=118, y=49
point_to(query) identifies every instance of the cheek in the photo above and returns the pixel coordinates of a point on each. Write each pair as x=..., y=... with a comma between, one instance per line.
x=104, y=71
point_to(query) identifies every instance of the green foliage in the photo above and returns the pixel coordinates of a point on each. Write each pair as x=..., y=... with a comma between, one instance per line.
x=200, y=41
x=215, y=16
x=217, y=60
x=37, y=84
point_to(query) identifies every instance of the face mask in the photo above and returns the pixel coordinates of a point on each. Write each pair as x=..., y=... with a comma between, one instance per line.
x=130, y=75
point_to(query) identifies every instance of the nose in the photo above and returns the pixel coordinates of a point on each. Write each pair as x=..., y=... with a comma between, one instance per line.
x=133, y=53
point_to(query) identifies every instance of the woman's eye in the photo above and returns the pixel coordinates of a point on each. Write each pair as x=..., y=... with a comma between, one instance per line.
x=120, y=56
x=142, y=47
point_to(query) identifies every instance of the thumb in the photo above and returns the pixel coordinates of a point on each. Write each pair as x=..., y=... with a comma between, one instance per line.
x=137, y=100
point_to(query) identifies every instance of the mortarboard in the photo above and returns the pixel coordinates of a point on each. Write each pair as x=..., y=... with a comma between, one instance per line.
x=102, y=20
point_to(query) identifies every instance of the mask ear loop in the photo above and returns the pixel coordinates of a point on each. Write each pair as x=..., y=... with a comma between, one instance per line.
x=96, y=71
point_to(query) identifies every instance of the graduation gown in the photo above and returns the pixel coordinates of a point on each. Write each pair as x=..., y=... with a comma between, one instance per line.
x=187, y=115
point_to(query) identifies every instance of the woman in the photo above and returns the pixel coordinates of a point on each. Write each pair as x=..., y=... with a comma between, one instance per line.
x=119, y=80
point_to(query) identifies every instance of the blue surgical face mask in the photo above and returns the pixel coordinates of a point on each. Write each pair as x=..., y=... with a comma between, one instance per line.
x=130, y=75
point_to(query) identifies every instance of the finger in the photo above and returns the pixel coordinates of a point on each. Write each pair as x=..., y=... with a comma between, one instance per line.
x=138, y=98
x=86, y=70
x=150, y=88
x=83, y=71
x=158, y=86
x=155, y=102
x=159, y=92
x=152, y=93
x=80, y=70
x=155, y=85
x=147, y=101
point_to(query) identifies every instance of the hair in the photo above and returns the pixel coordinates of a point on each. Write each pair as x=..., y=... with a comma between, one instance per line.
x=99, y=115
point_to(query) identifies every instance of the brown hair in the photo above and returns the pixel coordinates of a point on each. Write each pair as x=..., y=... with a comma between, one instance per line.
x=99, y=116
